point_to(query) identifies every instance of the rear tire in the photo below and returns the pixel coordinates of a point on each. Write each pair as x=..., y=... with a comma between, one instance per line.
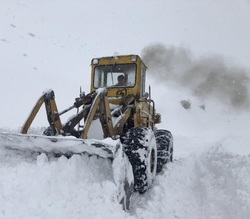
x=164, y=142
x=140, y=146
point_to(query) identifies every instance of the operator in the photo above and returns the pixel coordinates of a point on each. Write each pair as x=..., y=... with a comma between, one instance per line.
x=121, y=81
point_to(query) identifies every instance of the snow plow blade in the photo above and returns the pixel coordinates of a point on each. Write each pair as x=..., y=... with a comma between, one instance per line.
x=57, y=146
x=54, y=146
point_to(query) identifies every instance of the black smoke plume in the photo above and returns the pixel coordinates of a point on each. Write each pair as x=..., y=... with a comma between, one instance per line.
x=205, y=77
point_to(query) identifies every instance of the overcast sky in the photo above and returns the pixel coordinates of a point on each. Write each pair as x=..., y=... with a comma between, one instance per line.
x=49, y=44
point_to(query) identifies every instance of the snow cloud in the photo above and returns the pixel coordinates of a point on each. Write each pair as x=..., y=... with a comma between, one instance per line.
x=205, y=77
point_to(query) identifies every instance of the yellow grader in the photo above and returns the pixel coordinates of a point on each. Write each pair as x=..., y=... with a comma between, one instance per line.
x=121, y=110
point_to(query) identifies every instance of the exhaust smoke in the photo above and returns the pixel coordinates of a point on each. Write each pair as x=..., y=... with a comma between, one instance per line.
x=205, y=77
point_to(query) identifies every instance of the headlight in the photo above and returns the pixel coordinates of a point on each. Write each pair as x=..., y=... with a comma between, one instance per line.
x=133, y=59
x=95, y=61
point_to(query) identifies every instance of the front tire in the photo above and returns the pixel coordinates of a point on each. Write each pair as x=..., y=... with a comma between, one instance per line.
x=140, y=147
x=50, y=131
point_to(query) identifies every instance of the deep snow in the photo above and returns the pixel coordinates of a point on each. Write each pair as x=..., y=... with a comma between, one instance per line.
x=42, y=49
x=209, y=177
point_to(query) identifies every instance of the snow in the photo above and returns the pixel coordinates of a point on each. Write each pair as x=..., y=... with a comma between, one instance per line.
x=209, y=178
x=42, y=46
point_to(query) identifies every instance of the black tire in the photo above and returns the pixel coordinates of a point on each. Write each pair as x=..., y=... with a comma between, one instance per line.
x=140, y=146
x=50, y=131
x=164, y=142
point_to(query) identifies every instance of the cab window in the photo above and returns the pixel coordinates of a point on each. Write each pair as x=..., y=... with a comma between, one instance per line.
x=118, y=75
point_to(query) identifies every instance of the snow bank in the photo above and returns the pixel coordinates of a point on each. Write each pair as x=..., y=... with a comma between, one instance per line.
x=79, y=187
x=208, y=183
x=213, y=184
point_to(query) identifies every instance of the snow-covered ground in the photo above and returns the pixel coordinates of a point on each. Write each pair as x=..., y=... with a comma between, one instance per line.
x=209, y=178
x=49, y=45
